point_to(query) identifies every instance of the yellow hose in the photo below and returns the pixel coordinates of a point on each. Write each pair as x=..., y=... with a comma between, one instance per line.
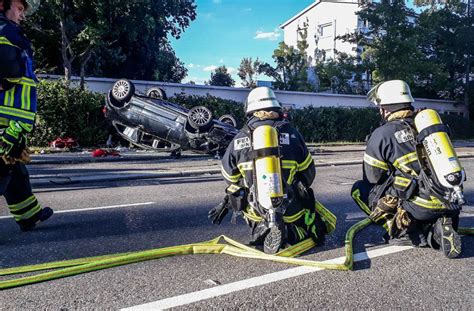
x=83, y=265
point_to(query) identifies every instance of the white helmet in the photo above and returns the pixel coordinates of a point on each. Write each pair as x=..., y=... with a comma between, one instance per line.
x=260, y=98
x=390, y=93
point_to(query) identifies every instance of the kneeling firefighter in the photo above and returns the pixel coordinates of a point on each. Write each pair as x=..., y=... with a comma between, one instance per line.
x=412, y=178
x=269, y=172
x=17, y=113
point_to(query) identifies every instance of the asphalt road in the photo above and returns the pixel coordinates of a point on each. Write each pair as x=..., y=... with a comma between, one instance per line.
x=112, y=217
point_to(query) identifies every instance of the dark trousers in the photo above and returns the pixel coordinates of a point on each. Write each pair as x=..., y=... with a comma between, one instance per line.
x=366, y=196
x=16, y=188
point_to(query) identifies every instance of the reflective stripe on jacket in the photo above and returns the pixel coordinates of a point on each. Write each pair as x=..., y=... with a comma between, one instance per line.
x=391, y=150
x=19, y=102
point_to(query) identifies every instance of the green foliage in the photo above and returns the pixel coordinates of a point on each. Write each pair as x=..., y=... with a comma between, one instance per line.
x=325, y=124
x=336, y=74
x=111, y=38
x=291, y=71
x=64, y=112
x=221, y=77
x=389, y=45
x=460, y=128
x=218, y=106
x=432, y=51
x=248, y=70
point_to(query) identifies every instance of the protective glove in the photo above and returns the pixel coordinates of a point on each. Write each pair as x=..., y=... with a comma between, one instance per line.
x=385, y=209
x=217, y=214
x=400, y=223
x=25, y=158
x=13, y=141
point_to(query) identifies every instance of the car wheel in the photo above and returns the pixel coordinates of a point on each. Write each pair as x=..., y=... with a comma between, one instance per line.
x=199, y=117
x=123, y=90
x=156, y=92
x=229, y=119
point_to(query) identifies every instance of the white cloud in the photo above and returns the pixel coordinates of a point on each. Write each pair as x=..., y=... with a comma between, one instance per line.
x=272, y=36
x=247, y=10
x=210, y=68
x=217, y=1
x=221, y=61
x=191, y=65
x=231, y=70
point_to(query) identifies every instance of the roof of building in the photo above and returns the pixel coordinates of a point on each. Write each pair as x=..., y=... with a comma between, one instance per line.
x=311, y=6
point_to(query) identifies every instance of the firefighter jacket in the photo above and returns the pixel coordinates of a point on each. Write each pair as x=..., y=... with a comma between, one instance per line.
x=297, y=163
x=390, y=159
x=18, y=97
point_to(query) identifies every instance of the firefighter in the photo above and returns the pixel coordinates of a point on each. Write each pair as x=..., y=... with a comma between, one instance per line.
x=392, y=192
x=17, y=114
x=295, y=219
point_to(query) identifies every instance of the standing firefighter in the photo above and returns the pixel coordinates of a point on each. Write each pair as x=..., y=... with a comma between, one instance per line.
x=269, y=172
x=412, y=178
x=17, y=113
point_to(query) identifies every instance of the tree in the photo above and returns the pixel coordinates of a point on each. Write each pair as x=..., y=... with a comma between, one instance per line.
x=291, y=71
x=389, y=45
x=342, y=75
x=113, y=38
x=446, y=33
x=220, y=77
x=248, y=70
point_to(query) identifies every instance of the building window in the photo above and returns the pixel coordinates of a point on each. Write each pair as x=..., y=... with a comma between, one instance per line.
x=325, y=30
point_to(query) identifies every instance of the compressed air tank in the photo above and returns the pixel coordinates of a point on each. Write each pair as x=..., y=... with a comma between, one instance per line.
x=269, y=186
x=439, y=149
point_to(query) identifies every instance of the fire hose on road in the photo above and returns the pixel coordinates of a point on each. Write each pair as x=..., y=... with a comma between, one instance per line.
x=233, y=248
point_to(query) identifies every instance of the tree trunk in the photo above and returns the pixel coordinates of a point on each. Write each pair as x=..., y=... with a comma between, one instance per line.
x=65, y=47
x=85, y=59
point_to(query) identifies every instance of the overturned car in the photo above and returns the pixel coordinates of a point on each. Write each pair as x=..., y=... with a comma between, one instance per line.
x=150, y=121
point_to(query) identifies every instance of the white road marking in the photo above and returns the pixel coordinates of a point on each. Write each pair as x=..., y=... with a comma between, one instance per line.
x=94, y=208
x=257, y=281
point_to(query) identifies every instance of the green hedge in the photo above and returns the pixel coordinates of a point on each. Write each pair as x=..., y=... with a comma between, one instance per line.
x=326, y=124
x=460, y=128
x=72, y=112
x=78, y=113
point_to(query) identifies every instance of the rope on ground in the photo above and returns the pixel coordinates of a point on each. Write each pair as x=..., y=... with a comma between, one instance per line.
x=234, y=248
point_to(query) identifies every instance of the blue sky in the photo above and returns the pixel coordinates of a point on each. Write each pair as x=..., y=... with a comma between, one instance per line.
x=225, y=31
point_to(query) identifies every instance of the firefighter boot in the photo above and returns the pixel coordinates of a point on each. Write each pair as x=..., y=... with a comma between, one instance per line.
x=29, y=224
x=446, y=237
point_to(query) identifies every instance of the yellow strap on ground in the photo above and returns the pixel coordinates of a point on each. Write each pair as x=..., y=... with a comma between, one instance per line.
x=234, y=248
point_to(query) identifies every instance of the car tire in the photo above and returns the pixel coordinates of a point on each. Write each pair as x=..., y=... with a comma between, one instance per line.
x=123, y=90
x=199, y=117
x=229, y=119
x=157, y=93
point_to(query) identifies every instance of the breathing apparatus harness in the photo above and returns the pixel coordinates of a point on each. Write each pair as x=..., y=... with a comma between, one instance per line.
x=441, y=175
x=260, y=153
